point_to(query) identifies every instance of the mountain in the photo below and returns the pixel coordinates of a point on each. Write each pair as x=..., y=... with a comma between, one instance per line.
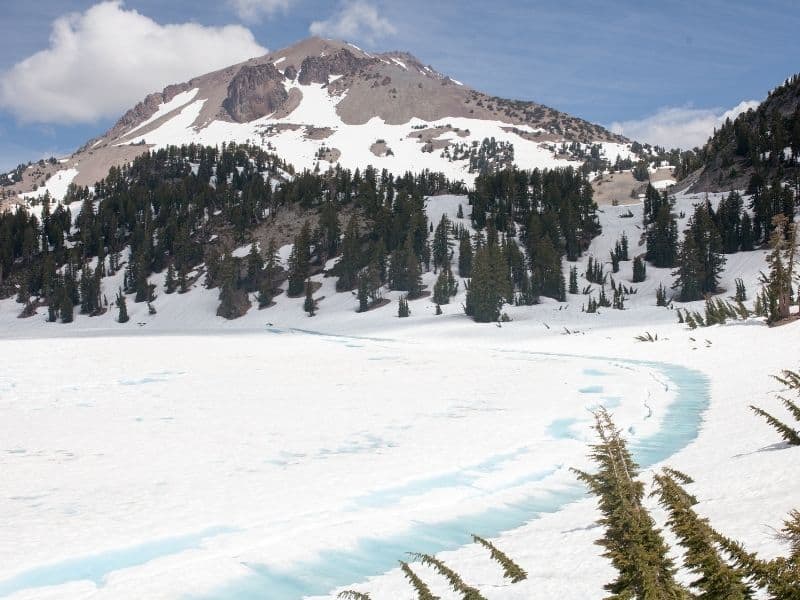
x=321, y=102
x=759, y=146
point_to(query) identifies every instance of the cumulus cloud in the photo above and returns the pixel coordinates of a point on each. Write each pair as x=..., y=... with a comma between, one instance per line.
x=355, y=20
x=679, y=127
x=104, y=60
x=255, y=10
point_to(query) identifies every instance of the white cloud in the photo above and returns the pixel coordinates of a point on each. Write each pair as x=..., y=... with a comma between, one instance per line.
x=679, y=127
x=103, y=61
x=254, y=10
x=356, y=19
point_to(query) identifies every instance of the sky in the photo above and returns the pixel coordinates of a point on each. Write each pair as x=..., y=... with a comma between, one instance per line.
x=662, y=72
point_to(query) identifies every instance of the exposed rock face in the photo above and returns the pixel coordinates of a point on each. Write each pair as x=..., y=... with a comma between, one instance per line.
x=255, y=91
x=318, y=69
x=290, y=72
x=146, y=108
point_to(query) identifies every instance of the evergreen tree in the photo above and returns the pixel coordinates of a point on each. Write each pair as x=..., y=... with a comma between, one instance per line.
x=122, y=305
x=662, y=238
x=309, y=305
x=441, y=245
x=300, y=262
x=66, y=307
x=402, y=307
x=781, y=262
x=639, y=270
x=632, y=542
x=573, y=280
x=465, y=256
x=700, y=260
x=715, y=578
x=445, y=287
x=170, y=282
x=350, y=262
x=255, y=264
x=483, y=296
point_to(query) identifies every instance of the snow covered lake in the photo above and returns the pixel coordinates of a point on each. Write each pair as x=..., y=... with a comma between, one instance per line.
x=232, y=465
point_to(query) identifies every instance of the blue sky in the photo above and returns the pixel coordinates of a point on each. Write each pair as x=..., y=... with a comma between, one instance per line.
x=665, y=71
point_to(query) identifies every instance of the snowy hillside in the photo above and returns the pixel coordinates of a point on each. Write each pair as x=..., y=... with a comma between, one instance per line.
x=183, y=472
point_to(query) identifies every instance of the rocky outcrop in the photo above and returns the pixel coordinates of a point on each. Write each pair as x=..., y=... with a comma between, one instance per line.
x=255, y=91
x=290, y=72
x=146, y=109
x=318, y=69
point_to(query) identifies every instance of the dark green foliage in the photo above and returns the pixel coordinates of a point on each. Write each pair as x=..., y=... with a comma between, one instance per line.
x=351, y=260
x=639, y=270
x=715, y=578
x=661, y=295
x=788, y=433
x=594, y=271
x=445, y=286
x=662, y=233
x=465, y=256
x=780, y=577
x=122, y=305
x=402, y=307
x=700, y=260
x=466, y=591
x=741, y=291
x=170, y=281
x=310, y=305
x=573, y=280
x=423, y=591
x=485, y=291
x=781, y=260
x=632, y=542
x=405, y=273
x=511, y=570
x=300, y=262
x=441, y=244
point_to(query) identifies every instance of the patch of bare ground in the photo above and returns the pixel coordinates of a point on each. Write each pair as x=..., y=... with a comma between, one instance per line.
x=330, y=155
x=533, y=136
x=380, y=148
x=318, y=133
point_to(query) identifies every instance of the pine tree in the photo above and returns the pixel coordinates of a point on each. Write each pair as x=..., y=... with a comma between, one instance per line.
x=310, y=305
x=170, y=282
x=300, y=262
x=639, y=270
x=122, y=305
x=445, y=287
x=363, y=292
x=781, y=261
x=66, y=307
x=255, y=264
x=716, y=579
x=350, y=262
x=483, y=296
x=661, y=295
x=573, y=280
x=700, y=260
x=402, y=307
x=662, y=238
x=465, y=256
x=631, y=541
x=441, y=244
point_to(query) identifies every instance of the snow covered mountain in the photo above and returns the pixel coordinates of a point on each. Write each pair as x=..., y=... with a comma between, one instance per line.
x=320, y=103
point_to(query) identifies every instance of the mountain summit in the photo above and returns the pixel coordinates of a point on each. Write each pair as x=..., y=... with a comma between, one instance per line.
x=321, y=102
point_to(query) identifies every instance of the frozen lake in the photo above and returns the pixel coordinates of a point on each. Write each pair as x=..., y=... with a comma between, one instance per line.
x=232, y=466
